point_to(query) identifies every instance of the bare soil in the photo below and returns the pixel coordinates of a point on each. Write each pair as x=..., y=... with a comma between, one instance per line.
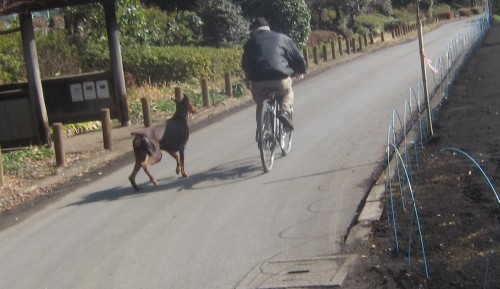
x=21, y=189
x=458, y=212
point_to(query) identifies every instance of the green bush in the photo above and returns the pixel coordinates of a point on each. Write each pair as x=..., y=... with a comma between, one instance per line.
x=341, y=28
x=180, y=63
x=72, y=129
x=321, y=36
x=17, y=161
x=373, y=22
x=382, y=6
x=442, y=11
x=94, y=57
x=393, y=23
x=477, y=10
x=56, y=55
x=291, y=17
x=359, y=29
x=239, y=88
x=223, y=23
x=404, y=15
x=11, y=60
x=465, y=12
x=162, y=29
x=444, y=15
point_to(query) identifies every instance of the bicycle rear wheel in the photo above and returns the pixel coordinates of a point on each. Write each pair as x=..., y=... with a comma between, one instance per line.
x=285, y=140
x=267, y=142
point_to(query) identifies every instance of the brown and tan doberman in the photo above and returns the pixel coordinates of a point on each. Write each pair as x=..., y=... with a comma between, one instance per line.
x=170, y=136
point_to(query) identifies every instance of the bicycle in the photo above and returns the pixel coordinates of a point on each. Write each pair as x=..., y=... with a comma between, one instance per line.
x=271, y=132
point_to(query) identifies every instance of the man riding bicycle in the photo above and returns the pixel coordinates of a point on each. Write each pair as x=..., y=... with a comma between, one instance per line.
x=269, y=60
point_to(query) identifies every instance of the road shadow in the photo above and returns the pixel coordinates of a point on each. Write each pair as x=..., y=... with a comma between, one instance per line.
x=221, y=175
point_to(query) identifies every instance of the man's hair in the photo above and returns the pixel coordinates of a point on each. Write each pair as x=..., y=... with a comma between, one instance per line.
x=259, y=22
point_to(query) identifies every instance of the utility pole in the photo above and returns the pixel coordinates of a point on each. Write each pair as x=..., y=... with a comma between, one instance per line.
x=424, y=74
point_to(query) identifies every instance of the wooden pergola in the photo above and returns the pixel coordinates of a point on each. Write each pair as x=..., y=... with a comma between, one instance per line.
x=24, y=8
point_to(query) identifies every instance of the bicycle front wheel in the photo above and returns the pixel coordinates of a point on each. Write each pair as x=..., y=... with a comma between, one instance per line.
x=267, y=142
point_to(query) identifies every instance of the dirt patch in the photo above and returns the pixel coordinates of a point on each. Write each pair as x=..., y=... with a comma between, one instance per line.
x=458, y=212
x=21, y=188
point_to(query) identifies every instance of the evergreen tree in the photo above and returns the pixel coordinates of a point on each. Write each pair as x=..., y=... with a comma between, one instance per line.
x=223, y=23
x=291, y=17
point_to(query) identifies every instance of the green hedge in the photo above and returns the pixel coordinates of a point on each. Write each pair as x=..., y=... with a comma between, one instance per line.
x=180, y=63
x=146, y=63
x=11, y=60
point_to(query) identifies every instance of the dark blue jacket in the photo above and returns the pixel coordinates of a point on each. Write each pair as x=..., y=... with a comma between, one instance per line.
x=269, y=55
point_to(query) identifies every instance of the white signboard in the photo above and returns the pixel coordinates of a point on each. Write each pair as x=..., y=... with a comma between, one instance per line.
x=76, y=92
x=102, y=89
x=89, y=90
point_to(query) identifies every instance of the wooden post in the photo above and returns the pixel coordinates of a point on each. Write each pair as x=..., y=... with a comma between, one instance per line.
x=382, y=36
x=178, y=93
x=332, y=44
x=348, y=45
x=353, y=45
x=424, y=73
x=2, y=179
x=360, y=41
x=229, y=88
x=371, y=38
x=106, y=128
x=59, y=144
x=204, y=92
x=325, y=56
x=365, y=38
x=315, y=54
x=339, y=40
x=146, y=111
x=113, y=33
x=41, y=120
x=306, y=55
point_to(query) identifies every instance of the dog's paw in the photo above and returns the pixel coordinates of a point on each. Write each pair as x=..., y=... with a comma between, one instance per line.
x=132, y=182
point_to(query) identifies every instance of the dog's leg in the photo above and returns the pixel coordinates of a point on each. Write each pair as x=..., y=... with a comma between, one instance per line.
x=140, y=157
x=181, y=156
x=131, y=178
x=180, y=163
x=153, y=159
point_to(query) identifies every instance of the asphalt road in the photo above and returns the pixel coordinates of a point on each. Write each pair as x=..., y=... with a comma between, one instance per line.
x=213, y=229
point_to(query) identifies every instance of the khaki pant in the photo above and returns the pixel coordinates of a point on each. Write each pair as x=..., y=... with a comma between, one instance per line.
x=284, y=88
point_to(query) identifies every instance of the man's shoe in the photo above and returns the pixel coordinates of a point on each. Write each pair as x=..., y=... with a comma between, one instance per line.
x=286, y=118
x=257, y=138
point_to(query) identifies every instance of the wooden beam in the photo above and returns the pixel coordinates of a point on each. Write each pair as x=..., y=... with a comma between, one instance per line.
x=26, y=6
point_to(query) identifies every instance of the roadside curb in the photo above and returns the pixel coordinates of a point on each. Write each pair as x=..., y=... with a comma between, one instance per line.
x=371, y=212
